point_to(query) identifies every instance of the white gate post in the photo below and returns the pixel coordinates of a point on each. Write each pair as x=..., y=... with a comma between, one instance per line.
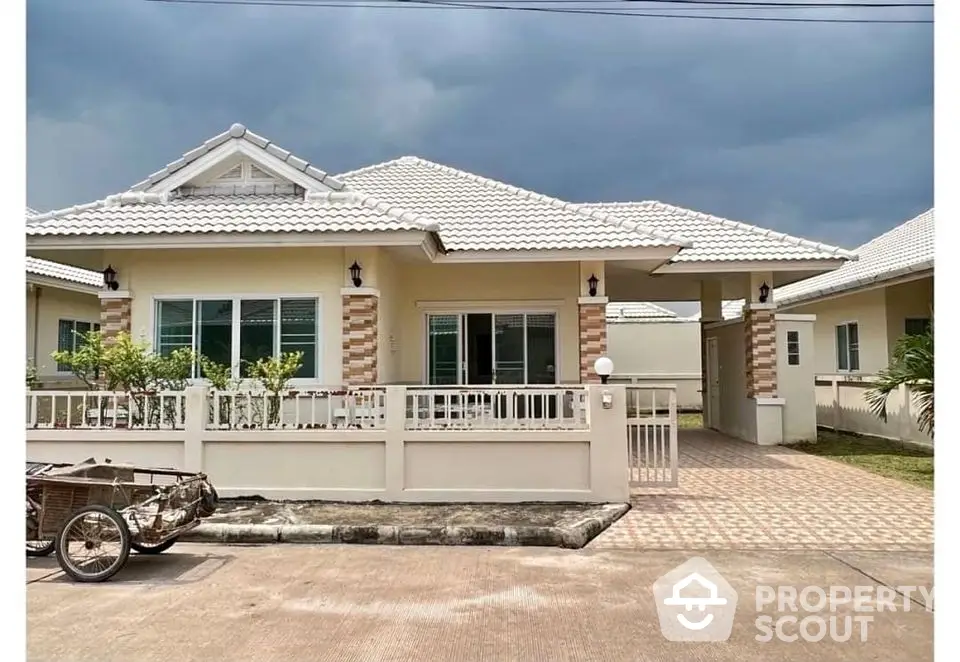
x=195, y=424
x=608, y=443
x=395, y=415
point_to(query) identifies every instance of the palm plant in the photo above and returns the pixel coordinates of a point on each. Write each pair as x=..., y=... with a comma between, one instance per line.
x=912, y=365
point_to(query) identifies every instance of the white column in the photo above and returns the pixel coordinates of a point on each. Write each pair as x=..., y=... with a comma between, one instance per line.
x=608, y=443
x=395, y=415
x=195, y=417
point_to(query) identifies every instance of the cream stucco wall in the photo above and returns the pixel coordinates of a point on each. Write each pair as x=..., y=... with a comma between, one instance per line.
x=913, y=299
x=795, y=383
x=737, y=413
x=867, y=309
x=151, y=274
x=408, y=289
x=880, y=315
x=45, y=307
x=658, y=352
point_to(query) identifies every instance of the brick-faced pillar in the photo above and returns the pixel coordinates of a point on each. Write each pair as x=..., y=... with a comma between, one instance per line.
x=114, y=315
x=593, y=336
x=760, y=336
x=360, y=337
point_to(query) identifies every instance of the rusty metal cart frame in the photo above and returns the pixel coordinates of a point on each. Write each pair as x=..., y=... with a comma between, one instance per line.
x=92, y=514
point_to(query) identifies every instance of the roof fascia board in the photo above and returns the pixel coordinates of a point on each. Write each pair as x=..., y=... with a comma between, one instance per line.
x=58, y=284
x=652, y=254
x=898, y=277
x=231, y=147
x=236, y=240
x=755, y=265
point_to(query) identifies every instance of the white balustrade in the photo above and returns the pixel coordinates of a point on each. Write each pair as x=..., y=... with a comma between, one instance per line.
x=160, y=410
x=496, y=408
x=308, y=409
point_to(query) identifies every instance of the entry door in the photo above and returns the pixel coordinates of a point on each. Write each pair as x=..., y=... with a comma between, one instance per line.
x=712, y=410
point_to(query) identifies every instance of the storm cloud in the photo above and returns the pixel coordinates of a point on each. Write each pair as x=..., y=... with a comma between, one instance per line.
x=820, y=130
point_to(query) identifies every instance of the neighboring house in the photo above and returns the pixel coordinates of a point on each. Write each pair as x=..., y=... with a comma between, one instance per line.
x=411, y=272
x=61, y=302
x=650, y=344
x=730, y=310
x=862, y=309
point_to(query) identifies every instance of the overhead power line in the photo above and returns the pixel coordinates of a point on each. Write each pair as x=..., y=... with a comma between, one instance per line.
x=645, y=12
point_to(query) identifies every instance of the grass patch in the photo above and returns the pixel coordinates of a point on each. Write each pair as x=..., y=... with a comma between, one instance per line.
x=879, y=456
x=691, y=420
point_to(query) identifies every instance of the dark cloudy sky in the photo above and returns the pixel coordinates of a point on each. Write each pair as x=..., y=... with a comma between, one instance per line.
x=820, y=130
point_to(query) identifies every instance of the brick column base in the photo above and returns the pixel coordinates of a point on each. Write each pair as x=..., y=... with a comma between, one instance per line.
x=593, y=338
x=760, y=337
x=360, y=339
x=114, y=317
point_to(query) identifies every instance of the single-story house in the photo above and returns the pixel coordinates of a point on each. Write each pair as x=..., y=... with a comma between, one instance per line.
x=412, y=272
x=862, y=309
x=61, y=302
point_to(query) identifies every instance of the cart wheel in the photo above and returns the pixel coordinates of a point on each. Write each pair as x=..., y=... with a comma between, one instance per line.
x=40, y=547
x=93, y=544
x=147, y=548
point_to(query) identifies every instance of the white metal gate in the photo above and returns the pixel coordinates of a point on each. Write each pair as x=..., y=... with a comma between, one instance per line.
x=652, y=453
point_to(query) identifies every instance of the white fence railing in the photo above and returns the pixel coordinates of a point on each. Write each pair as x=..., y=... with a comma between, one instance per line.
x=497, y=408
x=309, y=409
x=652, y=437
x=106, y=410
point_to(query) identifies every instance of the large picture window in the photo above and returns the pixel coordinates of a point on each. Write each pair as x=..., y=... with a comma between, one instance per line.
x=241, y=331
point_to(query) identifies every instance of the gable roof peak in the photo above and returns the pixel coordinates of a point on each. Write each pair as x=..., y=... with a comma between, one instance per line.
x=240, y=133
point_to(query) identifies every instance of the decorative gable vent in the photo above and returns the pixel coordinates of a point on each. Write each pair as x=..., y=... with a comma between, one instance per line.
x=235, y=174
x=257, y=173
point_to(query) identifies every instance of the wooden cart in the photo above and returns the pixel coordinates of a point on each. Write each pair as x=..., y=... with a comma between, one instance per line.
x=92, y=514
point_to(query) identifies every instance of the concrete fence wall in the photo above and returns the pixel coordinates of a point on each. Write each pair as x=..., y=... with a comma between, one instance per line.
x=388, y=461
x=841, y=405
x=688, y=385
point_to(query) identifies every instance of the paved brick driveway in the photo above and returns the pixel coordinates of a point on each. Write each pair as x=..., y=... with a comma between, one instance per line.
x=736, y=495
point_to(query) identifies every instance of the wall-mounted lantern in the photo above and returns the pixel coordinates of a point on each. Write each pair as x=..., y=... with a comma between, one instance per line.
x=764, y=292
x=592, y=283
x=355, y=274
x=110, y=278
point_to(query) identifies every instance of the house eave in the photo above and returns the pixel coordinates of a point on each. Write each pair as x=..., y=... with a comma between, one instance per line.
x=659, y=253
x=226, y=240
x=58, y=284
x=735, y=266
x=887, y=279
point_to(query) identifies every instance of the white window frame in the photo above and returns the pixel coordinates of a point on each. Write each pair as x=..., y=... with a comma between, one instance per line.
x=235, y=300
x=836, y=347
x=74, y=321
x=460, y=311
x=796, y=343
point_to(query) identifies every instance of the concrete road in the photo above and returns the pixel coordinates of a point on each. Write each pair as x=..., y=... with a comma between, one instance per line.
x=453, y=604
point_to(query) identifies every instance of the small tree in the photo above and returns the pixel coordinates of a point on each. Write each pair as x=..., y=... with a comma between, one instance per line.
x=912, y=365
x=274, y=375
x=221, y=379
x=87, y=362
x=32, y=379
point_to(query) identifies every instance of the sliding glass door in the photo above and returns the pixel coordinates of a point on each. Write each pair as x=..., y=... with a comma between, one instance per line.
x=491, y=348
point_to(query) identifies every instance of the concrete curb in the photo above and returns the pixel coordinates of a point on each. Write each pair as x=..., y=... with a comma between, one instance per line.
x=573, y=536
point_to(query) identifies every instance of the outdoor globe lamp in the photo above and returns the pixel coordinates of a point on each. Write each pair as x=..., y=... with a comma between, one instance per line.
x=604, y=368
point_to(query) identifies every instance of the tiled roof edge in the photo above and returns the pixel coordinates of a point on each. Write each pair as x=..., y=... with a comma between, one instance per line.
x=115, y=200
x=90, y=278
x=525, y=193
x=371, y=202
x=856, y=283
x=240, y=132
x=790, y=239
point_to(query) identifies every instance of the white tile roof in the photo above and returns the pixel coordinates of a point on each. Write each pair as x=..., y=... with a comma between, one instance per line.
x=730, y=310
x=719, y=239
x=339, y=211
x=632, y=311
x=64, y=272
x=905, y=249
x=240, y=132
x=477, y=213
x=31, y=212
